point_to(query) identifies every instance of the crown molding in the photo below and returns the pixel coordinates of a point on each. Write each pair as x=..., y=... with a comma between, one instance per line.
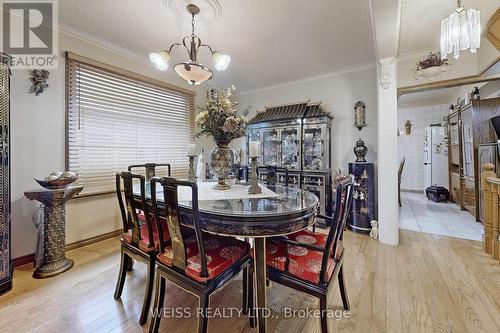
x=102, y=43
x=110, y=47
x=419, y=52
x=312, y=78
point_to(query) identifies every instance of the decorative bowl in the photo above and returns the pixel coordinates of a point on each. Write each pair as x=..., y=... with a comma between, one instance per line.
x=57, y=180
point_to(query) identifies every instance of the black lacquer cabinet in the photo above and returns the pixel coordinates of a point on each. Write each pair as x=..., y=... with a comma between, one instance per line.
x=5, y=253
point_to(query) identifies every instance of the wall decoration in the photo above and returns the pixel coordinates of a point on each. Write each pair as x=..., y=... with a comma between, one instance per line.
x=360, y=115
x=408, y=126
x=431, y=67
x=39, y=79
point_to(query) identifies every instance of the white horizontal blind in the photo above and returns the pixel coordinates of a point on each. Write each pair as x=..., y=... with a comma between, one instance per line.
x=114, y=121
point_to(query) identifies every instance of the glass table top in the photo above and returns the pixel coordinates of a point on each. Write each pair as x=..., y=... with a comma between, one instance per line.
x=275, y=200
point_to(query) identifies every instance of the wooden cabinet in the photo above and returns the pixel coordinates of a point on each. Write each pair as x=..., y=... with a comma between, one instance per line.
x=471, y=142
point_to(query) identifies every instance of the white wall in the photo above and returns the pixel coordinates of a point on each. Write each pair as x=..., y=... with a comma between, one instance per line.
x=37, y=130
x=411, y=147
x=338, y=93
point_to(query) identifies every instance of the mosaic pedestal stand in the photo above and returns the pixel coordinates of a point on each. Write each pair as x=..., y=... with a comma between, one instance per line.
x=54, y=229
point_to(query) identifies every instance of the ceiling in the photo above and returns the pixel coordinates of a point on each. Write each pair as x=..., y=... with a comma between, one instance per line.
x=421, y=21
x=270, y=42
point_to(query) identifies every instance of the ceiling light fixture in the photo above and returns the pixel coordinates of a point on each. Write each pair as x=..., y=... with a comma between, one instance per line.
x=191, y=71
x=460, y=31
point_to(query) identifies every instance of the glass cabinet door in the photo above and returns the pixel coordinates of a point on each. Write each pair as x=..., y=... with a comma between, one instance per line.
x=290, y=148
x=313, y=148
x=270, y=147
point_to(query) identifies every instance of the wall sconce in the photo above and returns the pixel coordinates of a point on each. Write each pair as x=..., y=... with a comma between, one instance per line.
x=360, y=115
x=408, y=127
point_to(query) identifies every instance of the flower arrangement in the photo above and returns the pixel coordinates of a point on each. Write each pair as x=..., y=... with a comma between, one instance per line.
x=218, y=117
x=432, y=60
x=431, y=67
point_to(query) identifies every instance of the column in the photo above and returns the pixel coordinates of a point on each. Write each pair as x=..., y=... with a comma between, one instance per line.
x=387, y=160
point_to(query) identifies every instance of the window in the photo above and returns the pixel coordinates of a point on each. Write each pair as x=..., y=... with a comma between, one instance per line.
x=116, y=118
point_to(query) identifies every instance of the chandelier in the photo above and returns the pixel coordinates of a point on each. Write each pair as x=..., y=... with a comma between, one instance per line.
x=460, y=31
x=191, y=71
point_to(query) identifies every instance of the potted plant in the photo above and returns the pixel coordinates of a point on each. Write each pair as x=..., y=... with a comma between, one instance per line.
x=218, y=118
x=431, y=67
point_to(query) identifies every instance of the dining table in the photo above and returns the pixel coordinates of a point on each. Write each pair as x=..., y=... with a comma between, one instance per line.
x=276, y=211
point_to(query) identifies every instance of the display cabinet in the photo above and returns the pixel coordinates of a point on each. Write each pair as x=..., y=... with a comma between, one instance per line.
x=297, y=137
x=5, y=254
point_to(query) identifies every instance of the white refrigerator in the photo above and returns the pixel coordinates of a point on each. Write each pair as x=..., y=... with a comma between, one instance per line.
x=435, y=157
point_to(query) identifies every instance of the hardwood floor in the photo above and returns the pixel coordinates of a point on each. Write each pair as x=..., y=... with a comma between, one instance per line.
x=427, y=284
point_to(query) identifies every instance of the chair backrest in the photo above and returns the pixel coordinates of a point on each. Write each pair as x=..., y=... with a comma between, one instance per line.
x=401, y=166
x=170, y=211
x=241, y=172
x=271, y=173
x=343, y=205
x=150, y=168
x=133, y=202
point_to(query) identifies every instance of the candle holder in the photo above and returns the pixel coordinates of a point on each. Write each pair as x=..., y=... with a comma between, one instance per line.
x=254, y=179
x=191, y=174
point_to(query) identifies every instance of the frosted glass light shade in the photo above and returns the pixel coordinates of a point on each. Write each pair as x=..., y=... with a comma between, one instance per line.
x=160, y=60
x=461, y=31
x=193, y=72
x=221, y=61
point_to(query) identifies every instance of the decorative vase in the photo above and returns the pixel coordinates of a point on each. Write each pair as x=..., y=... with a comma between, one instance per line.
x=360, y=151
x=222, y=163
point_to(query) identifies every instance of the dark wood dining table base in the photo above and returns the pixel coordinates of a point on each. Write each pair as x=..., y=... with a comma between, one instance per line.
x=260, y=282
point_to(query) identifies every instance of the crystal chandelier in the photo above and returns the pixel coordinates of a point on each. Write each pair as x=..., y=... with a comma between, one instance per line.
x=460, y=31
x=191, y=71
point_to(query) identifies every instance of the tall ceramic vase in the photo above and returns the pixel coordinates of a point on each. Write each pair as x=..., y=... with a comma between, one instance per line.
x=222, y=163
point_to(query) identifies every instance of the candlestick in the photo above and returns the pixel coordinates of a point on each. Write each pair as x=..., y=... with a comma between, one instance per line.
x=254, y=179
x=191, y=149
x=254, y=149
x=191, y=174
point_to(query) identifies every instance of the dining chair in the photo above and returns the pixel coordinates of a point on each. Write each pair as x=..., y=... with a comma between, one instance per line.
x=139, y=240
x=150, y=168
x=400, y=174
x=307, y=261
x=271, y=174
x=201, y=263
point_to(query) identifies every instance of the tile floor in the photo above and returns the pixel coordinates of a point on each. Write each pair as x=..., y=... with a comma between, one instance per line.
x=446, y=219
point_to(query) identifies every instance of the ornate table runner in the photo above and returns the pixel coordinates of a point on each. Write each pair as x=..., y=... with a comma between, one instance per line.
x=237, y=191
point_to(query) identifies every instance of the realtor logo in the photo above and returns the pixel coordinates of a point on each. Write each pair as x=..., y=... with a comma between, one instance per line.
x=29, y=33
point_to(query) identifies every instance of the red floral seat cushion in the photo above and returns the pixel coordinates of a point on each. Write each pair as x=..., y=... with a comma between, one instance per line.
x=144, y=242
x=304, y=263
x=221, y=253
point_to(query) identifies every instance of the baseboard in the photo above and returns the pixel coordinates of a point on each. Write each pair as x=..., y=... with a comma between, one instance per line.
x=93, y=240
x=23, y=260
x=413, y=191
x=29, y=258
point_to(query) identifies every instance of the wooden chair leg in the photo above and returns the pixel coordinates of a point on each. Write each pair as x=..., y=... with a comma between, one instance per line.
x=323, y=314
x=124, y=260
x=148, y=292
x=130, y=265
x=251, y=296
x=203, y=317
x=245, y=291
x=158, y=305
x=343, y=291
x=399, y=195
